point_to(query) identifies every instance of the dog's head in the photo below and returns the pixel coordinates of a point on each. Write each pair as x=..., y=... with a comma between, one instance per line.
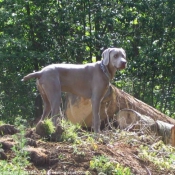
x=116, y=57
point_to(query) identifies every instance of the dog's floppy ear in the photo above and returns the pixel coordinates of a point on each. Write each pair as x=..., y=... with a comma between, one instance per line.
x=105, y=56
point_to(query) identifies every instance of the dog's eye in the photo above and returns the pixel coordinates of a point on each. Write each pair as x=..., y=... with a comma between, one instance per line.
x=116, y=56
x=123, y=56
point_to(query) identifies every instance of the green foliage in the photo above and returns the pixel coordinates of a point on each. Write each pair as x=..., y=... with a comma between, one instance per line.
x=103, y=164
x=1, y=123
x=48, y=126
x=70, y=133
x=7, y=168
x=163, y=156
x=21, y=158
x=20, y=123
x=37, y=33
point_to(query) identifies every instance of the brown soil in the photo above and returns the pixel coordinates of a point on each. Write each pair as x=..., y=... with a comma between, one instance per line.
x=66, y=158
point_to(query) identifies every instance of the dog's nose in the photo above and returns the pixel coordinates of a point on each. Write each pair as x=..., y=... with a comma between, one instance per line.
x=123, y=63
x=123, y=60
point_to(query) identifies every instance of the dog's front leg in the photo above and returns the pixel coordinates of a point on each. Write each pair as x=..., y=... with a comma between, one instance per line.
x=96, y=114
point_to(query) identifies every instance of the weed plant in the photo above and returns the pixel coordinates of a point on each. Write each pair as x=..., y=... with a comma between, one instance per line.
x=103, y=164
x=70, y=133
x=20, y=161
x=161, y=155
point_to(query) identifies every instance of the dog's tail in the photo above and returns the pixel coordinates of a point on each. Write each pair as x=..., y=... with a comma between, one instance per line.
x=32, y=75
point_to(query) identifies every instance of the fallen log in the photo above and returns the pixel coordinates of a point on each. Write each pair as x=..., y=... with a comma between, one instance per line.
x=127, y=101
x=131, y=120
x=79, y=109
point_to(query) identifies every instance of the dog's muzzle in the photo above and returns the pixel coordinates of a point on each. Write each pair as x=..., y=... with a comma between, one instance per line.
x=123, y=64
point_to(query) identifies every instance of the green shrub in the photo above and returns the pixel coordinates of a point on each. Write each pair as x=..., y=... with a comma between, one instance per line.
x=103, y=164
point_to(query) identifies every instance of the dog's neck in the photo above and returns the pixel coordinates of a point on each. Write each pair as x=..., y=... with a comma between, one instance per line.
x=105, y=70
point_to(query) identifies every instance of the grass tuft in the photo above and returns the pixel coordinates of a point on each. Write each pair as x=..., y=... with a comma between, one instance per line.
x=48, y=126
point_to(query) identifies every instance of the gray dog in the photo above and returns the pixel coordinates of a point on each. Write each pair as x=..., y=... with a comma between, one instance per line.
x=87, y=80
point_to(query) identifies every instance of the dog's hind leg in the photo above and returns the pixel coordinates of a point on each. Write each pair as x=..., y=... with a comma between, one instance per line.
x=47, y=108
x=53, y=92
x=55, y=107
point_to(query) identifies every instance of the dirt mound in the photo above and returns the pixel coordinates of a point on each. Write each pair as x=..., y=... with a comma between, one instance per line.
x=65, y=157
